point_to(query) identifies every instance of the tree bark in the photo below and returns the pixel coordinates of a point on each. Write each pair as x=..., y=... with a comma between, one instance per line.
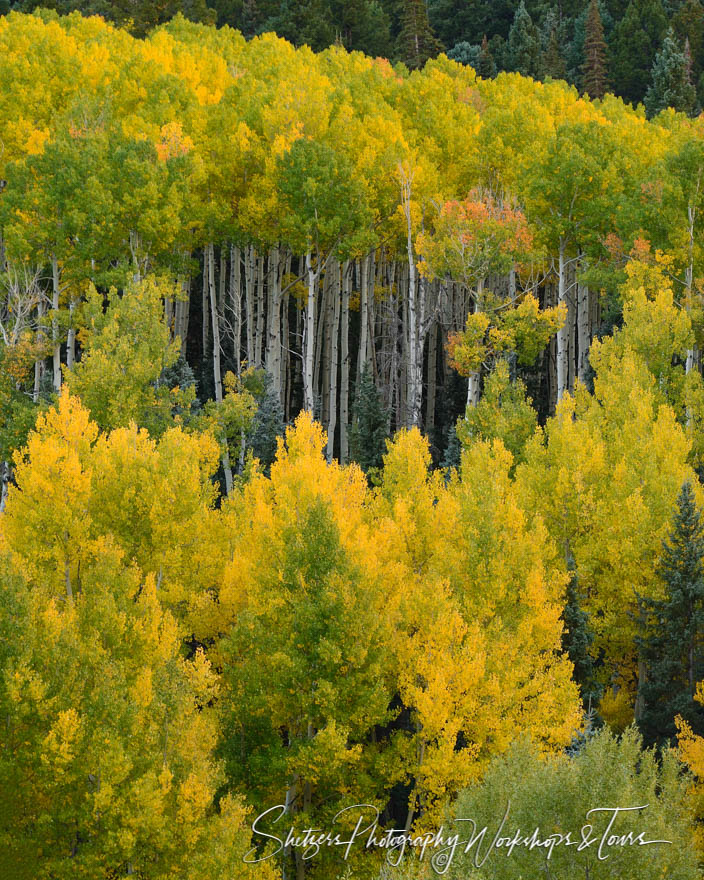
x=583, y=332
x=249, y=301
x=55, y=292
x=563, y=332
x=345, y=366
x=432, y=379
x=236, y=300
x=259, y=335
x=334, y=334
x=309, y=338
x=217, y=375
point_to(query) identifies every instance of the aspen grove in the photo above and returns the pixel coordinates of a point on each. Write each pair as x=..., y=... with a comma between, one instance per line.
x=351, y=430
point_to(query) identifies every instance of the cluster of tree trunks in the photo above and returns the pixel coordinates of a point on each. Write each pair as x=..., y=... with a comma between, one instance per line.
x=315, y=327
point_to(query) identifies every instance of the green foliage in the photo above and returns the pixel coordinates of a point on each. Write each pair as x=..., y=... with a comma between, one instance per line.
x=416, y=42
x=671, y=639
x=139, y=18
x=577, y=640
x=606, y=773
x=126, y=347
x=523, y=50
x=635, y=42
x=268, y=422
x=671, y=85
x=369, y=430
x=594, y=69
x=504, y=412
x=322, y=196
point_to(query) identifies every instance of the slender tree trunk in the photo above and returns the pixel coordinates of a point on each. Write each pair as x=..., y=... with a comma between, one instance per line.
x=309, y=339
x=204, y=305
x=563, y=332
x=474, y=380
x=432, y=379
x=273, y=348
x=571, y=327
x=259, y=337
x=56, y=356
x=236, y=300
x=345, y=365
x=583, y=332
x=184, y=313
x=363, y=317
x=412, y=381
x=38, y=364
x=71, y=336
x=334, y=335
x=249, y=301
x=217, y=374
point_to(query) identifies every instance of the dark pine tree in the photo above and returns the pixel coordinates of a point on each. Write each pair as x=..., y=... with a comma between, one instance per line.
x=416, y=41
x=553, y=63
x=369, y=432
x=577, y=641
x=453, y=450
x=594, y=69
x=267, y=425
x=486, y=66
x=688, y=25
x=523, y=52
x=672, y=642
x=671, y=85
x=634, y=44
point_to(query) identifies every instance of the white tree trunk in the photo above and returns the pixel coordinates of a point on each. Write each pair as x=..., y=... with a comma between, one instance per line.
x=563, y=332
x=210, y=255
x=249, y=301
x=259, y=335
x=56, y=356
x=334, y=334
x=583, y=332
x=309, y=338
x=236, y=300
x=345, y=365
x=273, y=345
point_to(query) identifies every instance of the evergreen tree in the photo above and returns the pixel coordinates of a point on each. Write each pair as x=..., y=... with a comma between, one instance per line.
x=267, y=425
x=594, y=69
x=577, y=640
x=672, y=647
x=523, y=50
x=688, y=25
x=671, y=86
x=553, y=63
x=368, y=433
x=303, y=22
x=417, y=42
x=486, y=66
x=636, y=40
x=362, y=25
x=466, y=53
x=453, y=450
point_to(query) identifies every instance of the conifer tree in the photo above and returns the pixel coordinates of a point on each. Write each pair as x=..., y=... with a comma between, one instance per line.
x=688, y=25
x=523, y=49
x=671, y=85
x=486, y=67
x=369, y=427
x=594, y=69
x=577, y=640
x=267, y=425
x=417, y=42
x=553, y=62
x=672, y=648
x=634, y=44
